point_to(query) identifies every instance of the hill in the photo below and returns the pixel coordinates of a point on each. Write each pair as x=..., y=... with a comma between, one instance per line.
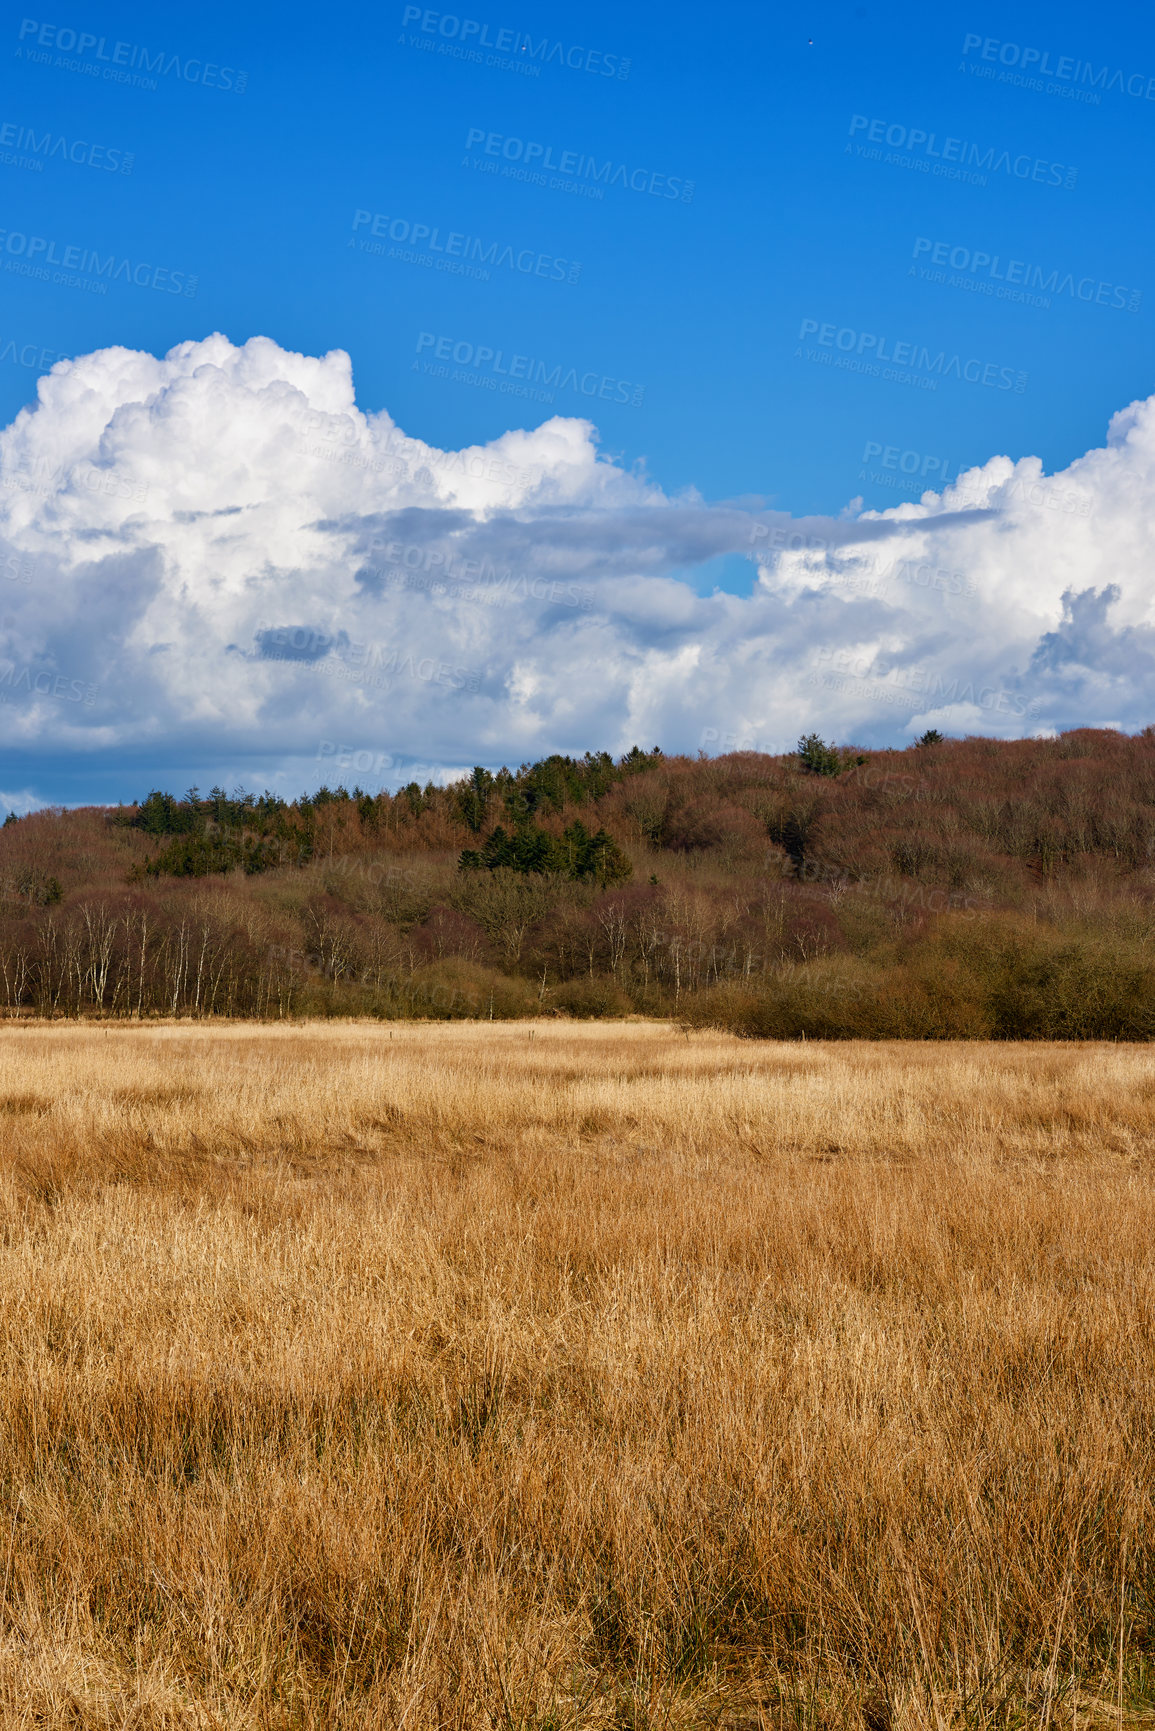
x=960, y=888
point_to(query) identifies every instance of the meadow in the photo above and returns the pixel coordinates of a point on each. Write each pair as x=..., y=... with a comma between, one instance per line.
x=545, y=1375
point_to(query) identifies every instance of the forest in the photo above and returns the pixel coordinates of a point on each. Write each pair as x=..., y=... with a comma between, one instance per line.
x=960, y=888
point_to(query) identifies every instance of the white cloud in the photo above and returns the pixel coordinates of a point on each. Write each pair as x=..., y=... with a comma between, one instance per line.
x=217, y=552
x=21, y=802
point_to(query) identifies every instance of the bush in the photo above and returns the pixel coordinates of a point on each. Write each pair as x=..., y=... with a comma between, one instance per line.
x=1001, y=981
x=1054, y=982
x=453, y=990
x=590, y=999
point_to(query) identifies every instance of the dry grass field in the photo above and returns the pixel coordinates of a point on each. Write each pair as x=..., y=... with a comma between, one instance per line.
x=573, y=1375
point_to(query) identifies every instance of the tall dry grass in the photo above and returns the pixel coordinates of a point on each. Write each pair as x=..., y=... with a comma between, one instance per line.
x=544, y=1377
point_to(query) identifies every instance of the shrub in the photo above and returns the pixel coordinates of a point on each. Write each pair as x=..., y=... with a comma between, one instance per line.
x=590, y=998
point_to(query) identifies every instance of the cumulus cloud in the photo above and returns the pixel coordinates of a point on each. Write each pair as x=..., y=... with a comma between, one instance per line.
x=218, y=555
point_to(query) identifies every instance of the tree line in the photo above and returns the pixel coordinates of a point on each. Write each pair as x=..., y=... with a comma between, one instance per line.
x=956, y=888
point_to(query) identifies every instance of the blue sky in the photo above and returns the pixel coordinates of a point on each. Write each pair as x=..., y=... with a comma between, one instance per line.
x=787, y=222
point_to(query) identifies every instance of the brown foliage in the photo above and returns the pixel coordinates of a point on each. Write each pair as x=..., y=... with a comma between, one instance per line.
x=745, y=871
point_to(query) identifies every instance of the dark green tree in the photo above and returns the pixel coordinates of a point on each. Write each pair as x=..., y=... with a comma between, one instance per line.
x=594, y=856
x=815, y=757
x=578, y=854
x=472, y=799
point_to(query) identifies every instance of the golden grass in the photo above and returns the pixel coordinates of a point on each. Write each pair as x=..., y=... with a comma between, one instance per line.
x=558, y=1376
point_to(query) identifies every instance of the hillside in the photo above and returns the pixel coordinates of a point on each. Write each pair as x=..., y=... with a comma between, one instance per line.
x=959, y=888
